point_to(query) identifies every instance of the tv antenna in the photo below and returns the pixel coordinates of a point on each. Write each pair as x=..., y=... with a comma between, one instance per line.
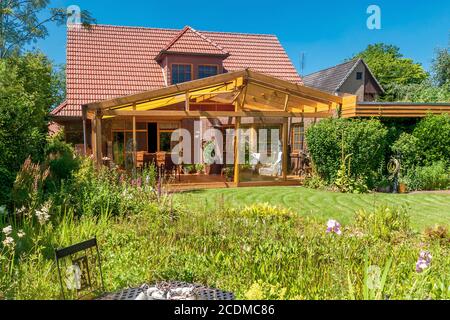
x=302, y=63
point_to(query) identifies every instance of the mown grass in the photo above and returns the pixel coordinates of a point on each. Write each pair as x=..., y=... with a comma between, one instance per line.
x=424, y=209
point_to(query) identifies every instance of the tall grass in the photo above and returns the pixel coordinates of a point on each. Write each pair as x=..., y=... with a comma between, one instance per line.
x=258, y=251
x=262, y=252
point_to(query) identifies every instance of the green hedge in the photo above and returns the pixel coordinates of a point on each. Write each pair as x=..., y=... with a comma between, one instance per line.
x=364, y=139
x=433, y=134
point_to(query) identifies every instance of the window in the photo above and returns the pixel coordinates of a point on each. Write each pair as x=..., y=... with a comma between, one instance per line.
x=359, y=75
x=298, y=137
x=207, y=71
x=267, y=139
x=181, y=73
x=166, y=130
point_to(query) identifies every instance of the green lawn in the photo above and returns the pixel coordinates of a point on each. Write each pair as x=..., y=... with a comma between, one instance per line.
x=425, y=209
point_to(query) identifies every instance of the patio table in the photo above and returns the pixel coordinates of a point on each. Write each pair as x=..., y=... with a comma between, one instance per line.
x=202, y=292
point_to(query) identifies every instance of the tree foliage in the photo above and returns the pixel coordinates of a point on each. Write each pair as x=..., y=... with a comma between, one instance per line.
x=25, y=21
x=441, y=67
x=422, y=92
x=390, y=67
x=27, y=91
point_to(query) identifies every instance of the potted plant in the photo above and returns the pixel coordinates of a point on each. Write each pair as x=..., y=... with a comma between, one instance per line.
x=188, y=168
x=228, y=172
x=199, y=168
x=403, y=185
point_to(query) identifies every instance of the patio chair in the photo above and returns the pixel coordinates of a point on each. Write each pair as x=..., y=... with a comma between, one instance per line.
x=80, y=270
x=273, y=169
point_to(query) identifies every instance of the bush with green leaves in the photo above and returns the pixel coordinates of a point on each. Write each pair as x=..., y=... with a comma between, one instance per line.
x=61, y=160
x=407, y=150
x=433, y=135
x=433, y=177
x=330, y=139
x=27, y=91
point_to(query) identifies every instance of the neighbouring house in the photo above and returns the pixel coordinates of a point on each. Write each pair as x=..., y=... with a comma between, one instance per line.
x=351, y=77
x=130, y=88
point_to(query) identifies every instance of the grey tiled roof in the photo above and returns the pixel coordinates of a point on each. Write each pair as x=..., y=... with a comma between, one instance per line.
x=330, y=79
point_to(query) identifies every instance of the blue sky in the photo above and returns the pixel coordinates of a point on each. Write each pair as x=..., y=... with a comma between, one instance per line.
x=326, y=31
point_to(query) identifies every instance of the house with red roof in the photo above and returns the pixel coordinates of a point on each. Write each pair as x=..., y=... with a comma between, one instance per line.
x=129, y=89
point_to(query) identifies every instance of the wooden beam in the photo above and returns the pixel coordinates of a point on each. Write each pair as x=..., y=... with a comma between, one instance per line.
x=98, y=139
x=168, y=91
x=303, y=99
x=187, y=103
x=236, y=150
x=285, y=149
x=212, y=114
x=286, y=103
x=134, y=141
x=307, y=91
x=84, y=117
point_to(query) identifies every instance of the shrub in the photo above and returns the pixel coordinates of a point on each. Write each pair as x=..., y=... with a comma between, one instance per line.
x=344, y=181
x=433, y=177
x=437, y=233
x=407, y=150
x=61, y=160
x=383, y=222
x=329, y=139
x=265, y=210
x=315, y=182
x=433, y=134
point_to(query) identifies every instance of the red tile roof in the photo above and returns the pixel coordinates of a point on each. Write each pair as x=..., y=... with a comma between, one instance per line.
x=104, y=62
x=192, y=41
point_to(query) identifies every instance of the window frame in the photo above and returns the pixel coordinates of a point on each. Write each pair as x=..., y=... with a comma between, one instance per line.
x=301, y=134
x=181, y=64
x=207, y=65
x=358, y=73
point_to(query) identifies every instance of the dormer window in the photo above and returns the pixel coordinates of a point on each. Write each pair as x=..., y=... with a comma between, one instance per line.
x=205, y=71
x=181, y=73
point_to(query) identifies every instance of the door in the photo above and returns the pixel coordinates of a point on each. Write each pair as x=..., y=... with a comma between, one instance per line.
x=152, y=131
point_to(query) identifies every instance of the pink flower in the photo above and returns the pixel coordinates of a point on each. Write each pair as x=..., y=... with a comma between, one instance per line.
x=334, y=226
x=424, y=261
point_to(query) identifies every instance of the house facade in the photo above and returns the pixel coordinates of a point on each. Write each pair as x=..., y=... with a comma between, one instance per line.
x=351, y=77
x=129, y=89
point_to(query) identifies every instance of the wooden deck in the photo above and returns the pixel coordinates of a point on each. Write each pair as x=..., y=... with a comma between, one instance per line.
x=198, y=182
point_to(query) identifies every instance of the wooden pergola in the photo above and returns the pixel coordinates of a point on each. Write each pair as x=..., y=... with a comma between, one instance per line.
x=237, y=94
x=394, y=109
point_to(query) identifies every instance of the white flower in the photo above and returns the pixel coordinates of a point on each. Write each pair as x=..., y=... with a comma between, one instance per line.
x=21, y=234
x=43, y=214
x=8, y=242
x=21, y=210
x=7, y=231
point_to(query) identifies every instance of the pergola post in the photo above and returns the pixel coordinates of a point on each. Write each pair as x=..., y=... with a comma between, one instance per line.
x=134, y=141
x=97, y=129
x=84, y=116
x=236, y=150
x=284, y=137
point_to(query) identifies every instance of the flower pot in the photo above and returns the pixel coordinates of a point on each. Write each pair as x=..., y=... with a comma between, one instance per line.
x=402, y=188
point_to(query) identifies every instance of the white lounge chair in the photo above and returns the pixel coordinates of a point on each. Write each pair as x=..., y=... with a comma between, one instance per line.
x=272, y=169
